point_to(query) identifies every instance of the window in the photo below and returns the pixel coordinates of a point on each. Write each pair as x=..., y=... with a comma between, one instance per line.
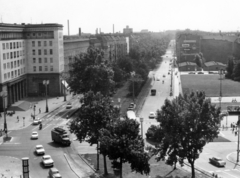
x=5, y=76
x=33, y=51
x=15, y=54
x=11, y=55
x=39, y=43
x=7, y=47
x=15, y=64
x=40, y=68
x=51, y=68
x=8, y=65
x=8, y=74
x=23, y=60
x=18, y=54
x=45, y=60
x=15, y=73
x=12, y=74
x=45, y=43
x=50, y=43
x=34, y=60
x=11, y=65
x=45, y=52
x=20, y=44
x=34, y=68
x=4, y=56
x=14, y=45
x=18, y=72
x=10, y=45
x=3, y=45
x=7, y=55
x=51, y=52
x=39, y=52
x=51, y=60
x=46, y=68
x=40, y=60
x=18, y=63
x=17, y=45
x=21, y=71
x=23, y=52
x=33, y=43
x=4, y=66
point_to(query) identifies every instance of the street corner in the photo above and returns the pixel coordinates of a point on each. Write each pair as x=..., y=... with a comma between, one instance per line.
x=10, y=166
x=232, y=157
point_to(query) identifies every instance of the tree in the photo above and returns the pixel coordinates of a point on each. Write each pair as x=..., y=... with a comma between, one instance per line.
x=90, y=72
x=95, y=113
x=124, y=144
x=236, y=72
x=188, y=122
x=230, y=67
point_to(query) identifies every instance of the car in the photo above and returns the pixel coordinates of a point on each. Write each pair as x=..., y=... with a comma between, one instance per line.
x=153, y=92
x=152, y=115
x=54, y=173
x=131, y=106
x=200, y=73
x=34, y=135
x=164, y=75
x=39, y=150
x=158, y=79
x=191, y=73
x=37, y=121
x=47, y=161
x=217, y=161
x=69, y=106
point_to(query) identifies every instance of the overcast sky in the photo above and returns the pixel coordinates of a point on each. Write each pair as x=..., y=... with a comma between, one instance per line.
x=154, y=15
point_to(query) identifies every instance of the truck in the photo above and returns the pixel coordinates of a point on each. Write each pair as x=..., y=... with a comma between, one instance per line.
x=60, y=135
x=153, y=92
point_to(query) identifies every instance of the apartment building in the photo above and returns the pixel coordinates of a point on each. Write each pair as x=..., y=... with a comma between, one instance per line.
x=30, y=54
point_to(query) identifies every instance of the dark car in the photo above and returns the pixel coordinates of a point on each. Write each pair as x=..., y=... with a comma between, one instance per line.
x=200, y=73
x=217, y=161
x=191, y=73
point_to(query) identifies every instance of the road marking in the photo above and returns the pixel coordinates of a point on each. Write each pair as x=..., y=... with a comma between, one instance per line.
x=236, y=170
x=222, y=134
x=230, y=175
x=11, y=143
x=46, y=126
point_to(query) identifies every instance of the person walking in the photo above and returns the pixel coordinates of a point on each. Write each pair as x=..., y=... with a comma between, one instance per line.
x=39, y=110
x=17, y=119
x=236, y=133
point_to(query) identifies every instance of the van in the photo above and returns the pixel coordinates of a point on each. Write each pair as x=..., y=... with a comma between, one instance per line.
x=153, y=92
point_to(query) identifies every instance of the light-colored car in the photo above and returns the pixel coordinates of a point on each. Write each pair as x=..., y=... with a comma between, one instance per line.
x=217, y=161
x=34, y=135
x=47, y=161
x=54, y=173
x=37, y=121
x=152, y=115
x=69, y=106
x=39, y=150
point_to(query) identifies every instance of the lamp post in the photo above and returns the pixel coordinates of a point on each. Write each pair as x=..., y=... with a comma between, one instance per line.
x=3, y=94
x=46, y=82
x=34, y=109
x=141, y=120
x=220, y=94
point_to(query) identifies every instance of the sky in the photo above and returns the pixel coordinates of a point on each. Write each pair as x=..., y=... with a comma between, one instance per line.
x=153, y=15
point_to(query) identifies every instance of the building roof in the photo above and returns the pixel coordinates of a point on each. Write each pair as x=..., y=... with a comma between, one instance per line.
x=210, y=63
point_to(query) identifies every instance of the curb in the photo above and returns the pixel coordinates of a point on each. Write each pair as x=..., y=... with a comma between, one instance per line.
x=236, y=163
x=87, y=163
x=68, y=161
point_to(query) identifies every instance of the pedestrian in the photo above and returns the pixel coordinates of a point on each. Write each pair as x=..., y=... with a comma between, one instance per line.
x=233, y=125
x=232, y=130
x=236, y=133
x=223, y=127
x=17, y=119
x=39, y=110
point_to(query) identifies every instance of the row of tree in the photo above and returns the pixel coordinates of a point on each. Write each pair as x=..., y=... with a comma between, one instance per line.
x=233, y=69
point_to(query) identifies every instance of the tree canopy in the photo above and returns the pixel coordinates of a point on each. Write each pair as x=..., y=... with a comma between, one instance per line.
x=90, y=72
x=187, y=123
x=122, y=143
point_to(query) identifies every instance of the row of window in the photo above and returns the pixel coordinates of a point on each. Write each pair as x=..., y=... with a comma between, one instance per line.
x=13, y=64
x=13, y=45
x=15, y=73
x=12, y=55
x=41, y=61
x=40, y=68
x=40, y=43
x=40, y=52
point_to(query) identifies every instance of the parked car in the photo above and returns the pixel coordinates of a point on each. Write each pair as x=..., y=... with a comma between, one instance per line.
x=39, y=150
x=152, y=115
x=69, y=106
x=47, y=161
x=200, y=73
x=191, y=73
x=54, y=173
x=217, y=161
x=34, y=135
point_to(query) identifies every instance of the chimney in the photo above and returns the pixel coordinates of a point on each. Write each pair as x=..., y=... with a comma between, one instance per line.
x=68, y=27
x=79, y=32
x=113, y=28
x=97, y=31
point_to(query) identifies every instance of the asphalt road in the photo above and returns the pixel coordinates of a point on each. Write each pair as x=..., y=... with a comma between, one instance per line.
x=21, y=146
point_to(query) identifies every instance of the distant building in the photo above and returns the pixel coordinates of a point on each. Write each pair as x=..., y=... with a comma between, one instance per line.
x=29, y=54
x=127, y=30
x=144, y=31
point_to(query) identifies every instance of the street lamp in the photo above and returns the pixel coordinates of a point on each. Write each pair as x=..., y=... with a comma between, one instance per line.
x=221, y=72
x=141, y=120
x=46, y=82
x=3, y=94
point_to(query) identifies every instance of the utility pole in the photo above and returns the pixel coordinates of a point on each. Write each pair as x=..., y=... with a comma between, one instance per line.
x=238, y=125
